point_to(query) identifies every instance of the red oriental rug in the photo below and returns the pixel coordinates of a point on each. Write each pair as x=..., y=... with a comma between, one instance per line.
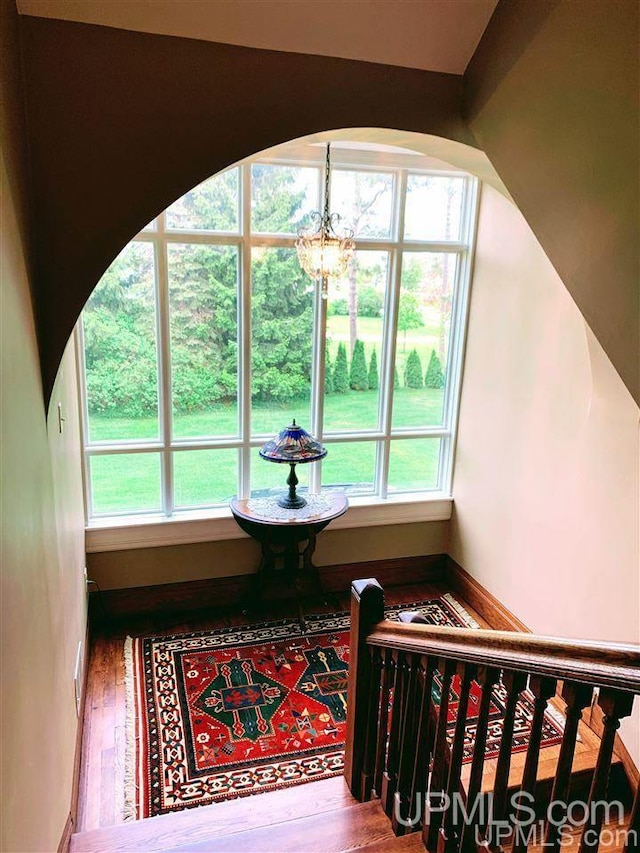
x=220, y=714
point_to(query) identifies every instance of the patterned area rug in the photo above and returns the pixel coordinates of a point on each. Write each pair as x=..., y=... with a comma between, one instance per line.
x=221, y=714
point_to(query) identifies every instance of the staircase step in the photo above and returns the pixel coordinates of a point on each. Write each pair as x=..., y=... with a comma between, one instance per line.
x=613, y=839
x=208, y=822
x=402, y=844
x=353, y=828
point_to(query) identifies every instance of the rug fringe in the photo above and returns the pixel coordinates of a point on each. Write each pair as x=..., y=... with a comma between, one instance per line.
x=130, y=789
x=462, y=612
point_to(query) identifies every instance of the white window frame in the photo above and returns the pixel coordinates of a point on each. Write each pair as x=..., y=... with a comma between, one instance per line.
x=175, y=526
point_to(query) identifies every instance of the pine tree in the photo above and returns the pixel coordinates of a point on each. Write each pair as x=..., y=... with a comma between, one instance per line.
x=413, y=371
x=396, y=379
x=341, y=371
x=435, y=376
x=374, y=382
x=358, y=374
x=328, y=372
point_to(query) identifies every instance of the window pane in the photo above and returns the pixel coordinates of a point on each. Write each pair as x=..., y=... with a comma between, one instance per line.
x=350, y=466
x=354, y=338
x=203, y=300
x=205, y=477
x=282, y=321
x=125, y=482
x=413, y=464
x=282, y=198
x=424, y=319
x=364, y=202
x=433, y=208
x=211, y=206
x=119, y=325
x=269, y=479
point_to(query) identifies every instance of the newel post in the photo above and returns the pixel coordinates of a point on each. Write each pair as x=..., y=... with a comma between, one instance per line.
x=367, y=609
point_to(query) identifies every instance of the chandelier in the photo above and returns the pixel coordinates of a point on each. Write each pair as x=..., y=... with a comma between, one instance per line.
x=322, y=252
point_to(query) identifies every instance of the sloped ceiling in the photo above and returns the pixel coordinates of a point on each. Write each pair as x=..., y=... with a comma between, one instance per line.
x=433, y=35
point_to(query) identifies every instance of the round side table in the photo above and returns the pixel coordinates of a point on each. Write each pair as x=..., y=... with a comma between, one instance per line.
x=280, y=533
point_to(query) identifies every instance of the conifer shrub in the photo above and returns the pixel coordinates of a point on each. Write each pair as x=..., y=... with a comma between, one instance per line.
x=374, y=380
x=358, y=380
x=341, y=371
x=434, y=377
x=413, y=371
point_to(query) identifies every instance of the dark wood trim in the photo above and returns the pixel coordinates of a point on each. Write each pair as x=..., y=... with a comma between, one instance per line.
x=487, y=605
x=614, y=666
x=399, y=571
x=593, y=718
x=67, y=832
x=213, y=593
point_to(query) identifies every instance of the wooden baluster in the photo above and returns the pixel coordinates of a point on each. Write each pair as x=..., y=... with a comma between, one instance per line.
x=367, y=609
x=514, y=682
x=449, y=833
x=388, y=672
x=425, y=735
x=373, y=715
x=577, y=696
x=390, y=775
x=403, y=805
x=432, y=819
x=487, y=678
x=632, y=844
x=543, y=689
x=615, y=704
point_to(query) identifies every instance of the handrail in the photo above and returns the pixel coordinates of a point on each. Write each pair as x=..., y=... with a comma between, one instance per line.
x=604, y=664
x=409, y=690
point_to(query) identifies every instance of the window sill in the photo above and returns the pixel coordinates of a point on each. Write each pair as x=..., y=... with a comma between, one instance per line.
x=213, y=525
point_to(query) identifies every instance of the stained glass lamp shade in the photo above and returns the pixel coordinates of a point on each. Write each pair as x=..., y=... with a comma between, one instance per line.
x=294, y=446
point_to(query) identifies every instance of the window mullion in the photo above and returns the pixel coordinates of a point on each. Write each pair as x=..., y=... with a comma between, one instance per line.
x=163, y=332
x=389, y=339
x=317, y=379
x=244, y=332
x=458, y=324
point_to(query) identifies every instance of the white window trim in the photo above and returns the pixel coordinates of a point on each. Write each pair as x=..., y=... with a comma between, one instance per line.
x=127, y=533
x=182, y=526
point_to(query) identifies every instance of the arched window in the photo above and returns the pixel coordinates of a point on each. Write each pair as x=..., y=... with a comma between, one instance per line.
x=205, y=337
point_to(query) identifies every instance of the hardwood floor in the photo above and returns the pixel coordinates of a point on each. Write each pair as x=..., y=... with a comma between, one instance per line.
x=102, y=768
x=101, y=791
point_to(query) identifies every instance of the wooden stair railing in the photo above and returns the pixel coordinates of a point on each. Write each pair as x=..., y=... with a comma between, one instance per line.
x=406, y=749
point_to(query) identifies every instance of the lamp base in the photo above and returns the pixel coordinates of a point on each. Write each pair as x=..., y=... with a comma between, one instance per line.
x=288, y=503
x=292, y=500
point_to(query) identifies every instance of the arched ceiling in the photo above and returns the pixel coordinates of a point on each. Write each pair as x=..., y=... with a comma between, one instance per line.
x=434, y=35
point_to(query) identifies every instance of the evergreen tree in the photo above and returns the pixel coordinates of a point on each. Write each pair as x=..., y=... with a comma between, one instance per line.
x=341, y=371
x=374, y=382
x=396, y=379
x=358, y=374
x=328, y=371
x=435, y=375
x=413, y=371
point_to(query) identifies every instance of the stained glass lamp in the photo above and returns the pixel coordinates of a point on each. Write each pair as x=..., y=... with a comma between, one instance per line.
x=294, y=446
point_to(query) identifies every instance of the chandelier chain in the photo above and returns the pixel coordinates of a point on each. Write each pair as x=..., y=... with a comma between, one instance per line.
x=327, y=177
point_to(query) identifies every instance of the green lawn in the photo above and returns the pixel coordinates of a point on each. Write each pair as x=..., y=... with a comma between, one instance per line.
x=128, y=482
x=423, y=339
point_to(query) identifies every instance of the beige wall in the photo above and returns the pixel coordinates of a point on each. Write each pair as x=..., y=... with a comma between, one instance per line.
x=546, y=476
x=146, y=566
x=42, y=592
x=551, y=96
